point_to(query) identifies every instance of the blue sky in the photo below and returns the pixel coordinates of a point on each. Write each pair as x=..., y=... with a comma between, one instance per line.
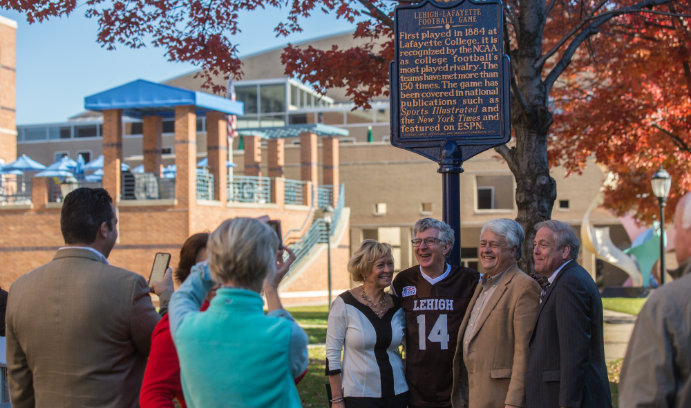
x=59, y=61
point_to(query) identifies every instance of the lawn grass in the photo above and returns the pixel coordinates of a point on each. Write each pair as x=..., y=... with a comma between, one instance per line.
x=630, y=306
x=311, y=388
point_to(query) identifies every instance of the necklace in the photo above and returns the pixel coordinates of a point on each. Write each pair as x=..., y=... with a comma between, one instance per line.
x=377, y=307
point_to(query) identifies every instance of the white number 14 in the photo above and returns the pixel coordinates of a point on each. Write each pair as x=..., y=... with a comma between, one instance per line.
x=438, y=334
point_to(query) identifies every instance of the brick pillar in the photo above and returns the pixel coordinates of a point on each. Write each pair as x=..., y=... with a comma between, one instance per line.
x=8, y=63
x=330, y=162
x=307, y=194
x=253, y=156
x=309, y=157
x=151, y=144
x=278, y=192
x=217, y=152
x=39, y=192
x=277, y=157
x=277, y=162
x=112, y=151
x=186, y=156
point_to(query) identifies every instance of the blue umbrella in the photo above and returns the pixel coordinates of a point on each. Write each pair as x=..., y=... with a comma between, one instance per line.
x=95, y=164
x=205, y=163
x=25, y=163
x=54, y=173
x=64, y=163
x=138, y=169
x=93, y=178
x=5, y=170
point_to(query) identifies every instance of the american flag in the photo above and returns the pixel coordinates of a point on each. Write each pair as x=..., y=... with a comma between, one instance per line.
x=231, y=120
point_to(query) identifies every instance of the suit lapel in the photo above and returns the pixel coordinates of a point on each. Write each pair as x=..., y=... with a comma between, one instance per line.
x=550, y=289
x=494, y=299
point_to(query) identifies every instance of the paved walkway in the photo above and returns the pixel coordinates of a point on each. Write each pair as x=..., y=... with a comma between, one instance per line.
x=618, y=327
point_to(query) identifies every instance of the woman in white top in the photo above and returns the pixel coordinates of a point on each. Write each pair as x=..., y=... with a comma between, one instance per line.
x=368, y=326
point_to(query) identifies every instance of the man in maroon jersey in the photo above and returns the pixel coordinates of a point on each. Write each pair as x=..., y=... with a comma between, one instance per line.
x=434, y=296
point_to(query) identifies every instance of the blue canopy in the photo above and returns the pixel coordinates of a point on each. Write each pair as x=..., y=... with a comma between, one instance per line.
x=54, y=173
x=94, y=164
x=63, y=163
x=140, y=97
x=24, y=163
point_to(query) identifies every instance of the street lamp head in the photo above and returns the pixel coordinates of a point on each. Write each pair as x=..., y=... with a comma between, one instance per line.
x=327, y=214
x=661, y=183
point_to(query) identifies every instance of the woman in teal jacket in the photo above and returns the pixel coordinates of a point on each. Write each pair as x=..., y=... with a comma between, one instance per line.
x=234, y=355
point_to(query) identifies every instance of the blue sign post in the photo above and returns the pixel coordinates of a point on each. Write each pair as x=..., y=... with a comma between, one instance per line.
x=450, y=89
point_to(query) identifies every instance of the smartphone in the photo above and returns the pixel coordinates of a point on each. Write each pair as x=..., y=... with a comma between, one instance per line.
x=158, y=269
x=276, y=226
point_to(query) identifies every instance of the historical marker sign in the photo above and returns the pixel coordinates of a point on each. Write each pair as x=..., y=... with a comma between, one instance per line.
x=450, y=78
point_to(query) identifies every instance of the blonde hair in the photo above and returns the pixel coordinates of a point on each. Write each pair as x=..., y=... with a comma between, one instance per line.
x=361, y=263
x=242, y=250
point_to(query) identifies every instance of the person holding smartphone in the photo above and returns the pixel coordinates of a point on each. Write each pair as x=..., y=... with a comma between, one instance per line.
x=161, y=385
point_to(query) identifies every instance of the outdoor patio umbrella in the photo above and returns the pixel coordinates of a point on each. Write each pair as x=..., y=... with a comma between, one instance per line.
x=24, y=163
x=54, y=173
x=97, y=163
x=94, y=164
x=63, y=163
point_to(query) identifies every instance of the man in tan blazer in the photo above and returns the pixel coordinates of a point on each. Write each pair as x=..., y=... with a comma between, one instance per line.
x=78, y=329
x=492, y=349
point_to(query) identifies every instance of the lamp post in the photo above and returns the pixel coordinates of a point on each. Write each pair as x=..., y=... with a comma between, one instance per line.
x=661, y=182
x=327, y=214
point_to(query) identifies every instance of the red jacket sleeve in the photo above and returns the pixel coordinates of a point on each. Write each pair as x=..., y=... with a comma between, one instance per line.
x=162, y=376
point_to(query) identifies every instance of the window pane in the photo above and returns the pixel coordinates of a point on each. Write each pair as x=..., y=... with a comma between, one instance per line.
x=294, y=96
x=86, y=131
x=502, y=194
x=272, y=98
x=35, y=133
x=485, y=198
x=169, y=126
x=273, y=120
x=247, y=95
x=298, y=119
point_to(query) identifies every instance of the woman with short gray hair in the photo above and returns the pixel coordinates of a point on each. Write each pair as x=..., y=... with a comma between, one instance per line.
x=233, y=354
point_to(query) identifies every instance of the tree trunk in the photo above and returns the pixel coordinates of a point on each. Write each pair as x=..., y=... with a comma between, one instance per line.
x=536, y=190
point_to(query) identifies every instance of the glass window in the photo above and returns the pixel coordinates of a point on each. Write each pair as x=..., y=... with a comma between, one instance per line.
x=66, y=132
x=248, y=96
x=86, y=131
x=272, y=120
x=251, y=121
x=134, y=128
x=169, y=126
x=294, y=96
x=272, y=98
x=495, y=192
x=201, y=123
x=38, y=133
x=59, y=155
x=298, y=119
x=86, y=155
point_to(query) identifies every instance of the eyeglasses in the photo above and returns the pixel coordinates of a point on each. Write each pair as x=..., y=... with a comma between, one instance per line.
x=428, y=241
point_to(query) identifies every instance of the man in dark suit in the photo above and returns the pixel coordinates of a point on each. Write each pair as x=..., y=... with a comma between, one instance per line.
x=566, y=367
x=78, y=329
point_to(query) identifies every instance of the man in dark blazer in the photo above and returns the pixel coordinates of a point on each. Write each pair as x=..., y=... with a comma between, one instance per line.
x=78, y=329
x=566, y=367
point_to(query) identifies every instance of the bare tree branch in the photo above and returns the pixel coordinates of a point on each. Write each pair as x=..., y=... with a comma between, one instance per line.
x=507, y=155
x=590, y=29
x=679, y=142
x=377, y=13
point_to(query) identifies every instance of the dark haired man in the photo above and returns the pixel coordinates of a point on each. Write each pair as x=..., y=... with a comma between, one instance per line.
x=78, y=329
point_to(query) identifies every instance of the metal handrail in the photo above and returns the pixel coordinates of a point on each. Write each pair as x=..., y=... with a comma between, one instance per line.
x=316, y=234
x=249, y=189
